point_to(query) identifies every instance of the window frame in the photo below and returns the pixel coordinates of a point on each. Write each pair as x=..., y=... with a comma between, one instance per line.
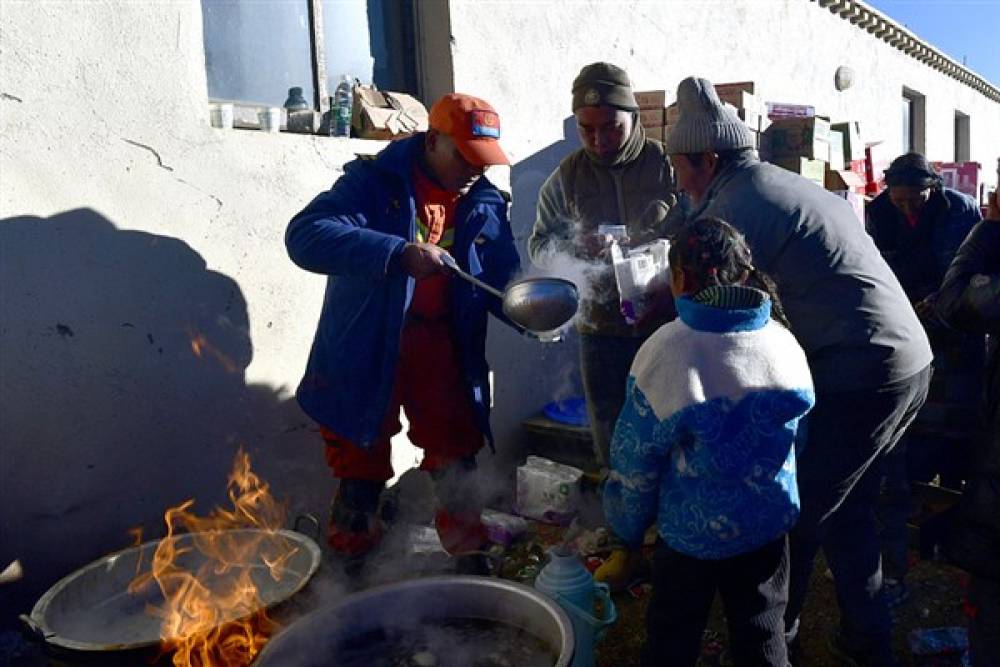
x=245, y=111
x=917, y=130
x=963, y=136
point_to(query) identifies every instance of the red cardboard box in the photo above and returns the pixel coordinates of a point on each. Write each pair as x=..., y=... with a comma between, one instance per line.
x=961, y=176
x=877, y=160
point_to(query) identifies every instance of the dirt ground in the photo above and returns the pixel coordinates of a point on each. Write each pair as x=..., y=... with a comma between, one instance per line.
x=937, y=592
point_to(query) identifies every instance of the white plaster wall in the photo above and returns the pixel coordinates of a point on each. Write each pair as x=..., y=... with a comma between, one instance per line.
x=129, y=226
x=524, y=58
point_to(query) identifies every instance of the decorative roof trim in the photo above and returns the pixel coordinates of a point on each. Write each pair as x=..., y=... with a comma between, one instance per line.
x=885, y=28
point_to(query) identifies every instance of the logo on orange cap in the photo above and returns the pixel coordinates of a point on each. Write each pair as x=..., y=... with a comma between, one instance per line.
x=472, y=124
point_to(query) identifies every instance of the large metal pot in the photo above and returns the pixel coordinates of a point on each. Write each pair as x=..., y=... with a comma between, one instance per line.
x=91, y=609
x=316, y=640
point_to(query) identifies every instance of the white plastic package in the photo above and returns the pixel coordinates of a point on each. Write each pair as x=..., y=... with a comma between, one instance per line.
x=638, y=271
x=548, y=491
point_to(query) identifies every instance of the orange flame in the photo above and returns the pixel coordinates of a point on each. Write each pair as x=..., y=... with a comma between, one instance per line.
x=212, y=614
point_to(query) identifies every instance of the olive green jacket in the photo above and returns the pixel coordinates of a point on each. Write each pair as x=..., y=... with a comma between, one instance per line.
x=579, y=196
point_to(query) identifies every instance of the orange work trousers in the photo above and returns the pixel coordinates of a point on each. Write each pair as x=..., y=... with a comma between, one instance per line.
x=430, y=388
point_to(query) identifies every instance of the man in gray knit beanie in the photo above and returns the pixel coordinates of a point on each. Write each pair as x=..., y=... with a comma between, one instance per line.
x=706, y=128
x=867, y=351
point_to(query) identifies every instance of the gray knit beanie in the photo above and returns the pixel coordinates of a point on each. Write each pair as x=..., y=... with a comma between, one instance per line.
x=705, y=125
x=603, y=84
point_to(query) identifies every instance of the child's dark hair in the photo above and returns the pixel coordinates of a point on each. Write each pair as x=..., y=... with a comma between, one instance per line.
x=713, y=252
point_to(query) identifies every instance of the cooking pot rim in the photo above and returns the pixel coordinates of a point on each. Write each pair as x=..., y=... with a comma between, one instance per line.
x=553, y=280
x=559, y=615
x=38, y=624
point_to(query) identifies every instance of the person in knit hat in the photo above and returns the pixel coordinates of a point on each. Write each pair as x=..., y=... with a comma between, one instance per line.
x=918, y=225
x=618, y=177
x=397, y=332
x=868, y=353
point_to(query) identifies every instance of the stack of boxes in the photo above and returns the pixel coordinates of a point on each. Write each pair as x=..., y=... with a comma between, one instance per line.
x=751, y=109
x=791, y=136
x=847, y=159
x=652, y=112
x=800, y=145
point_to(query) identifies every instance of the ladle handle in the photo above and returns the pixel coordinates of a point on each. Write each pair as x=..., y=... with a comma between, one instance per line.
x=453, y=265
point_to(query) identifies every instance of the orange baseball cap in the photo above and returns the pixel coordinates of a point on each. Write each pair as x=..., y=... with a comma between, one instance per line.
x=474, y=126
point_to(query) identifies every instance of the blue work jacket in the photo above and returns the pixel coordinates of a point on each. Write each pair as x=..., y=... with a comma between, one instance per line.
x=355, y=233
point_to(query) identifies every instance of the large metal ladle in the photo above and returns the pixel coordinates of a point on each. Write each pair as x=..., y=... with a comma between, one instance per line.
x=539, y=305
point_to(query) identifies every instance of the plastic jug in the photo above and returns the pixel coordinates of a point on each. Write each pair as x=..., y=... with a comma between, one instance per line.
x=568, y=582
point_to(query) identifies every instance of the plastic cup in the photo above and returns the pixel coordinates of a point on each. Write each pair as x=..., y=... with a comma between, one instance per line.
x=270, y=119
x=222, y=116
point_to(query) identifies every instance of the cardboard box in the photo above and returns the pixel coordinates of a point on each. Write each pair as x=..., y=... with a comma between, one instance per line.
x=844, y=179
x=856, y=201
x=800, y=137
x=836, y=150
x=651, y=99
x=814, y=170
x=777, y=110
x=381, y=114
x=741, y=99
x=725, y=88
x=651, y=117
x=655, y=133
x=756, y=121
x=961, y=176
x=851, y=134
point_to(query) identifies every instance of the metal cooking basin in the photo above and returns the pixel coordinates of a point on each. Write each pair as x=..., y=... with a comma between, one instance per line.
x=316, y=639
x=92, y=610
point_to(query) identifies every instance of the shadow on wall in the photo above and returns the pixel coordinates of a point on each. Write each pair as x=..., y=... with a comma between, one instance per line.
x=122, y=391
x=530, y=373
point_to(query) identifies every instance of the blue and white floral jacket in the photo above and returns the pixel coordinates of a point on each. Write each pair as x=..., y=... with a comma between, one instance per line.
x=705, y=442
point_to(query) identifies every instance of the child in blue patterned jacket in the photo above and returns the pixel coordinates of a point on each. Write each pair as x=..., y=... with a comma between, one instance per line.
x=704, y=447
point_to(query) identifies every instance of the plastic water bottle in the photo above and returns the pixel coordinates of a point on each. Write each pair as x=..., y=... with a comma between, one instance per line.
x=343, y=103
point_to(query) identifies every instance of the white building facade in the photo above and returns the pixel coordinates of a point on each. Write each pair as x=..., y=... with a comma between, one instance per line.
x=150, y=321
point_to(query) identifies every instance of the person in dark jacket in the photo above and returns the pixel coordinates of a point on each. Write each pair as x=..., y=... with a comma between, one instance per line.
x=618, y=177
x=969, y=299
x=918, y=225
x=869, y=355
x=395, y=330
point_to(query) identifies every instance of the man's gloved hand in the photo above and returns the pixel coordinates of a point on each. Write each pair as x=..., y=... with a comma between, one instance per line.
x=422, y=259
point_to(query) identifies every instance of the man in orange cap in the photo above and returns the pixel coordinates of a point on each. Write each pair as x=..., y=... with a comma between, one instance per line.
x=395, y=331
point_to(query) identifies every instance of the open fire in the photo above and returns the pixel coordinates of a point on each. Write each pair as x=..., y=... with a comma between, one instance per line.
x=213, y=614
